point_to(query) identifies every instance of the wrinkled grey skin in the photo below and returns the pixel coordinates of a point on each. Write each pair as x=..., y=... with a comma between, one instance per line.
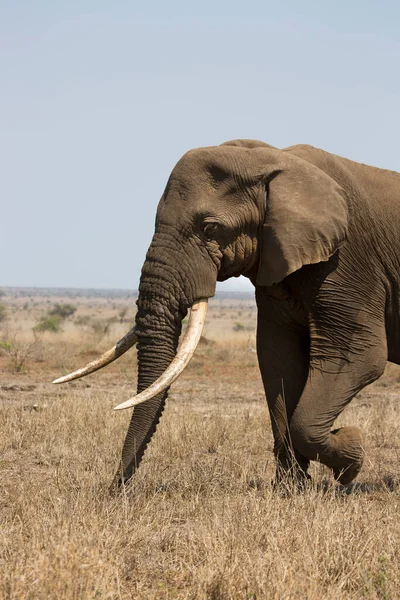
x=318, y=236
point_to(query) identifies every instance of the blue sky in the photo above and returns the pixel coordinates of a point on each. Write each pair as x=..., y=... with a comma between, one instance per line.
x=100, y=99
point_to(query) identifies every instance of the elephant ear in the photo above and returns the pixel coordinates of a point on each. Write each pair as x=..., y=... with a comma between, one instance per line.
x=306, y=217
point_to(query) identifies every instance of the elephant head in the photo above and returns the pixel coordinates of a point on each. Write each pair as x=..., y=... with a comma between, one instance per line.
x=242, y=208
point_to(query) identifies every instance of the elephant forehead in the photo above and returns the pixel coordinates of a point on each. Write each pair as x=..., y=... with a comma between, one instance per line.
x=212, y=164
x=201, y=180
x=181, y=203
x=197, y=176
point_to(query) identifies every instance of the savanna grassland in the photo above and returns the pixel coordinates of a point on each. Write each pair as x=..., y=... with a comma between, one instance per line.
x=201, y=518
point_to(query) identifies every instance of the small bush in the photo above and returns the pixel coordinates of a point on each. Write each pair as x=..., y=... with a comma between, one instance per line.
x=3, y=312
x=82, y=320
x=18, y=351
x=102, y=327
x=6, y=345
x=122, y=314
x=63, y=311
x=51, y=324
x=238, y=327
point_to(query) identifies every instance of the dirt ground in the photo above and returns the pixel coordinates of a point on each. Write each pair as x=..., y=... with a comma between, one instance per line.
x=201, y=518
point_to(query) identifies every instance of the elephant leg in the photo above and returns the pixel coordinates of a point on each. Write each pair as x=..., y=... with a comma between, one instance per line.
x=329, y=388
x=283, y=356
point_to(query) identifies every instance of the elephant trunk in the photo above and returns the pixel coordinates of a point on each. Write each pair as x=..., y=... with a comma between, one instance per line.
x=165, y=294
x=155, y=353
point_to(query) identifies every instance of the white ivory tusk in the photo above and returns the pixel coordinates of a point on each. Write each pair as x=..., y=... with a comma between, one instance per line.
x=108, y=357
x=181, y=360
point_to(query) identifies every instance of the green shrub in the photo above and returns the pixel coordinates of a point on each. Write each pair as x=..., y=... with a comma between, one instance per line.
x=6, y=345
x=62, y=311
x=18, y=351
x=50, y=323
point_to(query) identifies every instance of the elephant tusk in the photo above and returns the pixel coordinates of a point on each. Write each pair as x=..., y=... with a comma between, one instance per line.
x=108, y=357
x=181, y=360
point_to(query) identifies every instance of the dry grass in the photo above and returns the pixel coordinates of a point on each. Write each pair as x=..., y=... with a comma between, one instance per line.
x=201, y=519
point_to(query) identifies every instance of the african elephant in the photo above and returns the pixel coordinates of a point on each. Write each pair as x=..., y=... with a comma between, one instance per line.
x=318, y=236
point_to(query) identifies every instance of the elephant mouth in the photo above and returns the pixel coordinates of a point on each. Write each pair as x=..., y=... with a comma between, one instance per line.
x=185, y=352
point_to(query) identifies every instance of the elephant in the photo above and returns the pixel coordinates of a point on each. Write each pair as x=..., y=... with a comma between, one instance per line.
x=318, y=237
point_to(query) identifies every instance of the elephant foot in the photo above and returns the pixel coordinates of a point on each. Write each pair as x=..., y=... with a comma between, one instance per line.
x=291, y=473
x=349, y=446
x=290, y=484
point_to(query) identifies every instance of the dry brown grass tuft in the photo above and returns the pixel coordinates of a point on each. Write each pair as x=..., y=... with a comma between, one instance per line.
x=201, y=519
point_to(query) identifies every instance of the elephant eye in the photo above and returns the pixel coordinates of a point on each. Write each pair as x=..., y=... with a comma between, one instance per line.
x=210, y=230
